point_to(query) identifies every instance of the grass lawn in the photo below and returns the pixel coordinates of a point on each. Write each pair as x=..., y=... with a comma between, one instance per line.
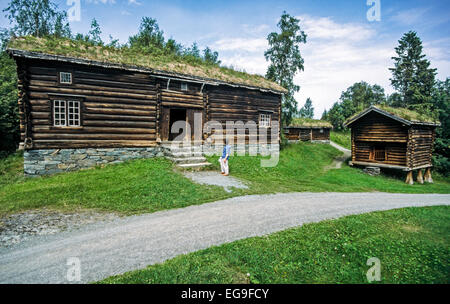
x=412, y=245
x=150, y=185
x=342, y=138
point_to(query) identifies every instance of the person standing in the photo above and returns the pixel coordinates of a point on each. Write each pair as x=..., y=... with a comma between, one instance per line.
x=223, y=160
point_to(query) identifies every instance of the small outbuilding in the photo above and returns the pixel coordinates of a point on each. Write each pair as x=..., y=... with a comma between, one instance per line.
x=307, y=129
x=393, y=138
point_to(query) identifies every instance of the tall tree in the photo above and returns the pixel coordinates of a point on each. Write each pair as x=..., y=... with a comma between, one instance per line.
x=412, y=76
x=357, y=97
x=307, y=111
x=441, y=99
x=285, y=61
x=95, y=32
x=149, y=35
x=211, y=57
x=35, y=17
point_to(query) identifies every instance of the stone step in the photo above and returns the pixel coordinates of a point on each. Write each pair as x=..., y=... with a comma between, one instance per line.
x=188, y=160
x=194, y=166
x=186, y=154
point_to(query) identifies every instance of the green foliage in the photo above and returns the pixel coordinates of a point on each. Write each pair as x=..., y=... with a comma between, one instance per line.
x=285, y=61
x=411, y=243
x=342, y=138
x=94, y=33
x=307, y=111
x=441, y=99
x=38, y=18
x=412, y=76
x=356, y=98
x=9, y=110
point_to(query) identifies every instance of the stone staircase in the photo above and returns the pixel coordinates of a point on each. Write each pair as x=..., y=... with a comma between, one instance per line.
x=186, y=156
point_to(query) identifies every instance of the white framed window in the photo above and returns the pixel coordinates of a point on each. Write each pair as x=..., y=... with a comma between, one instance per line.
x=59, y=113
x=65, y=77
x=321, y=130
x=74, y=113
x=66, y=113
x=265, y=119
x=184, y=86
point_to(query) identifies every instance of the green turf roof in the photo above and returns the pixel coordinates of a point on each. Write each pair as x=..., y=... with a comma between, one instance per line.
x=411, y=116
x=131, y=57
x=309, y=122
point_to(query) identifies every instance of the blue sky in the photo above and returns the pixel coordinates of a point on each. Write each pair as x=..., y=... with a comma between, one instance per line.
x=342, y=47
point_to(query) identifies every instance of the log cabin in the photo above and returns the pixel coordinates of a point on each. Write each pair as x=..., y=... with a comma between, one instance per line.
x=95, y=105
x=393, y=138
x=305, y=129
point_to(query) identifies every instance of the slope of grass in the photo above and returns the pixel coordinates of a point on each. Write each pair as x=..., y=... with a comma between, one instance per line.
x=301, y=168
x=133, y=187
x=153, y=184
x=342, y=138
x=412, y=245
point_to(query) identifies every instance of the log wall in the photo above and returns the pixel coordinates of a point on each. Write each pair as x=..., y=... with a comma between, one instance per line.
x=118, y=108
x=122, y=108
x=234, y=104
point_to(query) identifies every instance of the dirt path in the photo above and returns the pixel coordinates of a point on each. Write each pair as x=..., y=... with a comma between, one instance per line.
x=337, y=162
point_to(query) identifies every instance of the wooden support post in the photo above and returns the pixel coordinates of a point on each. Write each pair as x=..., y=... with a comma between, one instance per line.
x=409, y=178
x=427, y=177
x=419, y=176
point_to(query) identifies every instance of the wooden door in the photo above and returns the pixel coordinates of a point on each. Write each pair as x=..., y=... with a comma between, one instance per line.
x=195, y=120
x=164, y=123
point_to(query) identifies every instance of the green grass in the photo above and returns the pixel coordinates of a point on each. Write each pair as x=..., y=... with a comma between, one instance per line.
x=301, y=168
x=153, y=184
x=412, y=245
x=342, y=138
x=153, y=59
x=133, y=187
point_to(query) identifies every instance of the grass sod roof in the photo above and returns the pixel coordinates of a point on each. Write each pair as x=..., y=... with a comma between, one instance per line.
x=132, y=57
x=309, y=123
x=405, y=115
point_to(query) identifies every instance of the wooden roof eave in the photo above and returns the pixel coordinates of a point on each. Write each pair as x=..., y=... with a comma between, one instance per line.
x=156, y=73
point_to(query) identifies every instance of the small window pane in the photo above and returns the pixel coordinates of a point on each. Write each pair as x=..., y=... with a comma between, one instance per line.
x=184, y=86
x=264, y=120
x=59, y=111
x=65, y=77
x=74, y=109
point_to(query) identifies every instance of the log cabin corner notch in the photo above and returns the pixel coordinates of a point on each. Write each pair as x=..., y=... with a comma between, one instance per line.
x=77, y=112
x=392, y=138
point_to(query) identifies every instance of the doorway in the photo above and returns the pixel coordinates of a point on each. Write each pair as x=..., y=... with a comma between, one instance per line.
x=176, y=115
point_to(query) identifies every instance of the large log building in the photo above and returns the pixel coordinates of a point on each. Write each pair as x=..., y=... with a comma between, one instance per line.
x=78, y=112
x=393, y=138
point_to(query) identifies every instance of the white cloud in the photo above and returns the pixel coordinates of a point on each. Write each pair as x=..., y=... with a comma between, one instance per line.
x=241, y=44
x=101, y=1
x=135, y=2
x=326, y=28
x=336, y=56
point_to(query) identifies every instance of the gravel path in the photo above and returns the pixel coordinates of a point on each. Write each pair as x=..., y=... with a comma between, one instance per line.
x=337, y=162
x=105, y=249
x=216, y=179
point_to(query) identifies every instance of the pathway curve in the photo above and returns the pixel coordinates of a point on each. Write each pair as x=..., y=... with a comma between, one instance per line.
x=125, y=244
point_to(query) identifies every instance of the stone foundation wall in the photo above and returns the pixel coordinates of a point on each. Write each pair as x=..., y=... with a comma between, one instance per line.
x=43, y=162
x=51, y=161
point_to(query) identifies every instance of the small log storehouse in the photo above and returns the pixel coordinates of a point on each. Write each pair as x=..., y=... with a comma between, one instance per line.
x=393, y=138
x=305, y=129
x=83, y=105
